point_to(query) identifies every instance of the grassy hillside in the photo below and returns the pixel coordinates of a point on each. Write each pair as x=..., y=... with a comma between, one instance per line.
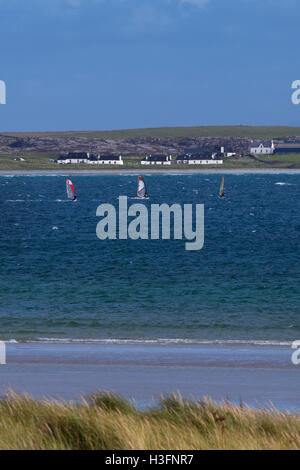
x=259, y=132
x=109, y=422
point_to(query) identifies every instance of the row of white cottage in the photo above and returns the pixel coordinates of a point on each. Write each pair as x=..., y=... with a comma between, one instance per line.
x=181, y=159
x=83, y=157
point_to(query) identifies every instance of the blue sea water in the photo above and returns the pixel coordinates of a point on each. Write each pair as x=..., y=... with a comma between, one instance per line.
x=59, y=282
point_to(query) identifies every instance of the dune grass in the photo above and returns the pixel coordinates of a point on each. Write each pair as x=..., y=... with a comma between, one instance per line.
x=108, y=422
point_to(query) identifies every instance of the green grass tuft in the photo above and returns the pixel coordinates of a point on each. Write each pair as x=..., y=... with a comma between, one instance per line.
x=111, y=402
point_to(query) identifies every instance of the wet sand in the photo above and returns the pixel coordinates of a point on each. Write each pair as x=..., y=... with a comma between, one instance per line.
x=256, y=375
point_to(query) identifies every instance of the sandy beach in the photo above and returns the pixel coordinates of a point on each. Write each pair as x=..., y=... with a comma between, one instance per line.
x=256, y=375
x=64, y=172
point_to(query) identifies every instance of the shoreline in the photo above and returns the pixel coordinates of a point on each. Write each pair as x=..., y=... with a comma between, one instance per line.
x=117, y=172
x=257, y=375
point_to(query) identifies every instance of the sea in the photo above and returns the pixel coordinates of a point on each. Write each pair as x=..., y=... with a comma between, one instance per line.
x=60, y=284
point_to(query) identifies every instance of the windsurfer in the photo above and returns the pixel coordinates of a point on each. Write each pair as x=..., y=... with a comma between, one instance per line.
x=142, y=191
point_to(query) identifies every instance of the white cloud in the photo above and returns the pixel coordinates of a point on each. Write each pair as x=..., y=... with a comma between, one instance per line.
x=147, y=18
x=196, y=3
x=76, y=3
x=82, y=3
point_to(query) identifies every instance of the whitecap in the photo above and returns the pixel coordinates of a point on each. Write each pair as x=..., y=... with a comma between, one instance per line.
x=161, y=341
x=14, y=200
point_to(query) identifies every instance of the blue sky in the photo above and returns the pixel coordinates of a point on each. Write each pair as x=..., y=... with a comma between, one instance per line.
x=109, y=64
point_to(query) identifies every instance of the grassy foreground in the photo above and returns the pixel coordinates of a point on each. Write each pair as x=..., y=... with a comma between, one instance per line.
x=108, y=422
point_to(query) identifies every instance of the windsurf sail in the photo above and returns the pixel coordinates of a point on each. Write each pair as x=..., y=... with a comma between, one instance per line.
x=222, y=188
x=142, y=191
x=70, y=190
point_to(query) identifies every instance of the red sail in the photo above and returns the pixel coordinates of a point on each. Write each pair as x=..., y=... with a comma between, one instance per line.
x=70, y=189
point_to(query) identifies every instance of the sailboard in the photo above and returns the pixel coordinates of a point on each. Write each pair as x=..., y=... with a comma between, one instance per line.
x=70, y=190
x=142, y=190
x=221, y=193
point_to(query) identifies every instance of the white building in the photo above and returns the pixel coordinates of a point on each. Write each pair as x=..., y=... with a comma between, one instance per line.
x=73, y=158
x=109, y=160
x=227, y=154
x=198, y=160
x=85, y=157
x=157, y=160
x=262, y=148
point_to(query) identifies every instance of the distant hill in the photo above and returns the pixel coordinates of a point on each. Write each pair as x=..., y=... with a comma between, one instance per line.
x=250, y=132
x=138, y=142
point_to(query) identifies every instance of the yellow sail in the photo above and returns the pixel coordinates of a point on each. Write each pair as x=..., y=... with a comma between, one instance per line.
x=222, y=187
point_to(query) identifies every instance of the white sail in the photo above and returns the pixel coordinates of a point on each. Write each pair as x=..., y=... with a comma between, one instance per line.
x=142, y=191
x=70, y=189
